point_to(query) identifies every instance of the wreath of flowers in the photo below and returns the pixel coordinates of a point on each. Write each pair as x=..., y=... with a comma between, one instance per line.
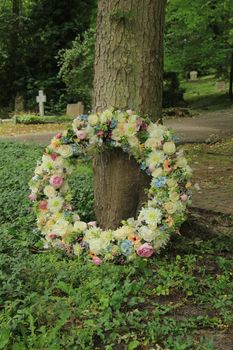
x=154, y=148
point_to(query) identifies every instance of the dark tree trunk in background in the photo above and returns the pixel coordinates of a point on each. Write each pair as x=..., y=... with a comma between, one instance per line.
x=231, y=79
x=128, y=74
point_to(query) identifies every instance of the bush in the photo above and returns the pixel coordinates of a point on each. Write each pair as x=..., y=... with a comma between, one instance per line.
x=172, y=92
x=36, y=119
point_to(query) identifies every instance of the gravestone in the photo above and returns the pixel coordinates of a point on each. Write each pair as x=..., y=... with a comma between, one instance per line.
x=19, y=103
x=74, y=109
x=41, y=99
x=220, y=86
x=193, y=75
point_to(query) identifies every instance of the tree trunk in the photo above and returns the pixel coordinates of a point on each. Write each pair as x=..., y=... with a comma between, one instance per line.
x=231, y=79
x=128, y=74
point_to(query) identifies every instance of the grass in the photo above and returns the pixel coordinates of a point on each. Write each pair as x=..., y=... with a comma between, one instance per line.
x=202, y=94
x=179, y=300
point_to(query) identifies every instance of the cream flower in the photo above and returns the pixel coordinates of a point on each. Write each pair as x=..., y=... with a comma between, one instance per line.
x=157, y=172
x=80, y=226
x=55, y=204
x=174, y=196
x=151, y=216
x=133, y=141
x=65, y=151
x=39, y=170
x=49, y=191
x=181, y=162
x=97, y=245
x=171, y=182
x=146, y=233
x=169, y=147
x=155, y=158
x=170, y=207
x=62, y=227
x=152, y=143
x=123, y=232
x=156, y=131
x=93, y=119
x=130, y=129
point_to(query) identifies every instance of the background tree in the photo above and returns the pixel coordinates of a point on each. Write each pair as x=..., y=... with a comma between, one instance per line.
x=128, y=74
x=199, y=36
x=31, y=34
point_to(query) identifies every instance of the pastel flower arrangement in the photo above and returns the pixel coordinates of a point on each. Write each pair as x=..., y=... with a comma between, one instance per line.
x=153, y=146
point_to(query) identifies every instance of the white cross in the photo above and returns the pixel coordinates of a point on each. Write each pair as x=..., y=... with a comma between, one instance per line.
x=41, y=99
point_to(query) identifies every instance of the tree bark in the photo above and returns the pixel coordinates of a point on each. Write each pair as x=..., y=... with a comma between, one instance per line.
x=128, y=74
x=231, y=79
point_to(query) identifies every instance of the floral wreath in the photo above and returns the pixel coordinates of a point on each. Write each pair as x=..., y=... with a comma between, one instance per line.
x=154, y=148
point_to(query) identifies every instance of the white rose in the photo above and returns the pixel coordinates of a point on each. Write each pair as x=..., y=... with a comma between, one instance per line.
x=49, y=191
x=123, y=232
x=93, y=119
x=152, y=143
x=146, y=233
x=80, y=226
x=169, y=147
x=170, y=207
x=156, y=131
x=65, y=151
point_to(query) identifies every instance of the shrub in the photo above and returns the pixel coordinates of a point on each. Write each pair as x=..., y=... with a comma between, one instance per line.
x=36, y=119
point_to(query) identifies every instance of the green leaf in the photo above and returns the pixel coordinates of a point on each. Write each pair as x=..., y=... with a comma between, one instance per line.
x=133, y=345
x=4, y=337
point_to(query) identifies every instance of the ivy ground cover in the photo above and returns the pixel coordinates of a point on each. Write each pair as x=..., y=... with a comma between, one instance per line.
x=180, y=300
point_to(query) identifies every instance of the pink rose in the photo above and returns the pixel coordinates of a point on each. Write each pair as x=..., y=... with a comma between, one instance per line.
x=145, y=250
x=59, y=136
x=184, y=197
x=54, y=156
x=52, y=236
x=91, y=224
x=32, y=197
x=56, y=181
x=97, y=261
x=100, y=133
x=43, y=205
x=81, y=134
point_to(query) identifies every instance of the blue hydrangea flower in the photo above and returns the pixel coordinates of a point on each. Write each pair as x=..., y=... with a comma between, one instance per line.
x=126, y=247
x=159, y=182
x=176, y=139
x=83, y=117
x=113, y=123
x=143, y=166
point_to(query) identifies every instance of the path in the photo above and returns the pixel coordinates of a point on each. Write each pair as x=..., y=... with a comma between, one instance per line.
x=193, y=129
x=214, y=173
